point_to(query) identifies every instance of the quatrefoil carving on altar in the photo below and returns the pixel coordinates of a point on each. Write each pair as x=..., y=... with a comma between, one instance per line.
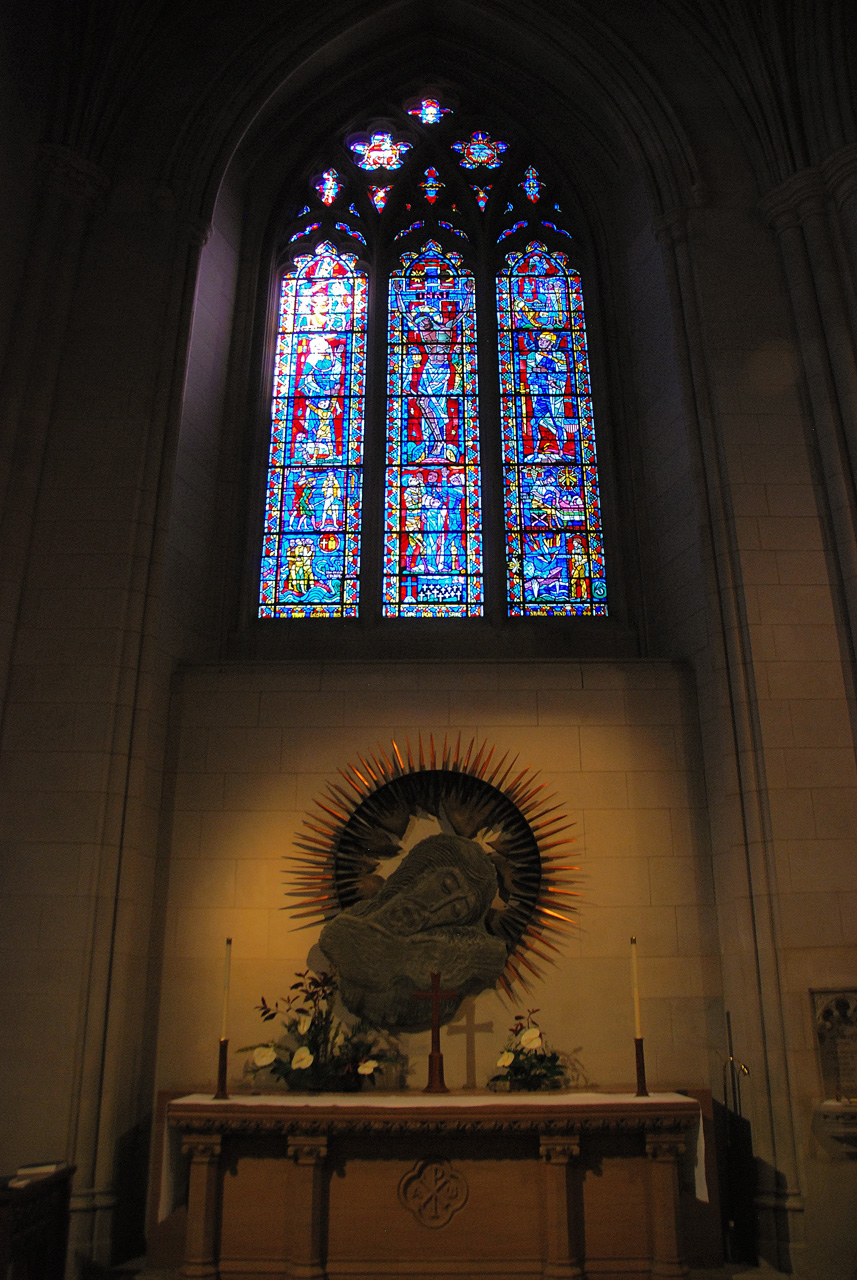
x=433, y=1192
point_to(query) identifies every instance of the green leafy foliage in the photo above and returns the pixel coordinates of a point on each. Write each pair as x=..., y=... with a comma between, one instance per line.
x=528, y=1064
x=319, y=1050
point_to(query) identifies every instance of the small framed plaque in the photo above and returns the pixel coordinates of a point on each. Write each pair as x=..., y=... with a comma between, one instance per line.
x=836, y=1035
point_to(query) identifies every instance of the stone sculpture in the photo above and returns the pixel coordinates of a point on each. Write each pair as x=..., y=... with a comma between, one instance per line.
x=429, y=917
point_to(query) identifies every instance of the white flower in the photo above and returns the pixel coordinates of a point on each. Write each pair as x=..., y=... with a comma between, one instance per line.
x=264, y=1055
x=366, y=1068
x=506, y=1058
x=302, y=1059
x=531, y=1039
x=304, y=1023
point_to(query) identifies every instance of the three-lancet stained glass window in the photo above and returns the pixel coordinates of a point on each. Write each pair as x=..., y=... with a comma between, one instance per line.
x=311, y=553
x=432, y=508
x=430, y=557
x=554, y=545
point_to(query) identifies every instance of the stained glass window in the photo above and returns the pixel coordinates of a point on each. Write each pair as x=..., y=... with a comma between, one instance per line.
x=447, y=226
x=480, y=152
x=531, y=186
x=551, y=226
x=380, y=152
x=432, y=185
x=328, y=186
x=427, y=560
x=432, y=501
x=406, y=231
x=429, y=111
x=350, y=231
x=378, y=196
x=311, y=551
x=304, y=231
x=554, y=545
x=510, y=231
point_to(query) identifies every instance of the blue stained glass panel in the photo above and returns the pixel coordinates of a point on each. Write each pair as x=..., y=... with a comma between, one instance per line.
x=432, y=497
x=510, y=231
x=531, y=185
x=447, y=226
x=311, y=545
x=554, y=539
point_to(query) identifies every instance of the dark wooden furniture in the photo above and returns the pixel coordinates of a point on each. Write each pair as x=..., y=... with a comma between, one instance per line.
x=34, y=1227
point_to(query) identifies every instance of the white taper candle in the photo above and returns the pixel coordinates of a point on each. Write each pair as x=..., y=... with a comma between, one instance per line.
x=226, y=988
x=635, y=986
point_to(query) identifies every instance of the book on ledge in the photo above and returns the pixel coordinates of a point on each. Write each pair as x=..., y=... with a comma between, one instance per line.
x=40, y=1170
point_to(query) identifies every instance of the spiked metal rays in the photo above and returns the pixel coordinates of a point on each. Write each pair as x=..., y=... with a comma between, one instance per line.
x=358, y=826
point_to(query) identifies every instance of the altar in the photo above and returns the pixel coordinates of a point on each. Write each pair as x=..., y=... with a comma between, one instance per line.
x=515, y=1186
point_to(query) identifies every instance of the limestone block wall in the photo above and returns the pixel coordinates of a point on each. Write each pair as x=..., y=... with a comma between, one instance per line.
x=615, y=742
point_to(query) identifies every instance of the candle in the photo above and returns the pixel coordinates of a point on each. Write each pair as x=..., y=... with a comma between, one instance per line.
x=226, y=987
x=635, y=985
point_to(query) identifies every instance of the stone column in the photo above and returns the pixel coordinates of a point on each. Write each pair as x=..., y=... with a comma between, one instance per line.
x=840, y=175
x=200, y=1253
x=306, y=1207
x=752, y=847
x=664, y=1148
x=563, y=1207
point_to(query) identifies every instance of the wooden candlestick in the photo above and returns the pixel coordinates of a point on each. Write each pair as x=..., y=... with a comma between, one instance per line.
x=223, y=1048
x=222, y=1054
x=642, y=1091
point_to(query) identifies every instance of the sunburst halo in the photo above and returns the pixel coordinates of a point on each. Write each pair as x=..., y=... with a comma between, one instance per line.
x=390, y=798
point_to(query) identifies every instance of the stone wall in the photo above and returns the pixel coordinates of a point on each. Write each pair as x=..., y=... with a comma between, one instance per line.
x=616, y=743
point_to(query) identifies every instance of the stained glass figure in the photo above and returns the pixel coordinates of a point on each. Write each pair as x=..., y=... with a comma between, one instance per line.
x=429, y=111
x=447, y=226
x=380, y=152
x=304, y=231
x=481, y=194
x=432, y=501
x=554, y=543
x=559, y=230
x=351, y=231
x=510, y=231
x=328, y=186
x=378, y=196
x=311, y=546
x=531, y=186
x=480, y=152
x=354, y=211
x=432, y=185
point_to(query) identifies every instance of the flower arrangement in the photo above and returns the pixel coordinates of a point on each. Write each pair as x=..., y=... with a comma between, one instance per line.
x=529, y=1064
x=318, y=1050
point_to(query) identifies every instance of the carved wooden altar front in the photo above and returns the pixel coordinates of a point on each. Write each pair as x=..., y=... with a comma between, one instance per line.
x=379, y=1186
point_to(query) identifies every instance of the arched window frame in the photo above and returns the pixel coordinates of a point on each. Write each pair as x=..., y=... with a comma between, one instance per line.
x=372, y=634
